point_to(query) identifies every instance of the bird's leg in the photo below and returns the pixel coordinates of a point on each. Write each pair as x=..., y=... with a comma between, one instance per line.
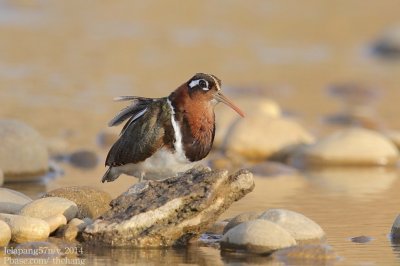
x=141, y=176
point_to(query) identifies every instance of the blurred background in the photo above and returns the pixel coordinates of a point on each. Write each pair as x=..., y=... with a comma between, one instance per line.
x=324, y=62
x=62, y=62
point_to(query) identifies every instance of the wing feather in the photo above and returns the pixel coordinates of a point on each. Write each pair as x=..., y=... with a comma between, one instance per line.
x=134, y=110
x=141, y=137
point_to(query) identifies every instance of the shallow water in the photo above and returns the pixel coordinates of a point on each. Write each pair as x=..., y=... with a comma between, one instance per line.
x=61, y=63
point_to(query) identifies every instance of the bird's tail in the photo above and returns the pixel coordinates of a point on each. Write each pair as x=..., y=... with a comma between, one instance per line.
x=110, y=175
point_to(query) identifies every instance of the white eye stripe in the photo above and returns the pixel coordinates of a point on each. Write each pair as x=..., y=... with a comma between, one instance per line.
x=196, y=82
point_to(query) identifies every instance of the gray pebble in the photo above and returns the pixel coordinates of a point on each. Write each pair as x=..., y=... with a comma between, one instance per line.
x=84, y=159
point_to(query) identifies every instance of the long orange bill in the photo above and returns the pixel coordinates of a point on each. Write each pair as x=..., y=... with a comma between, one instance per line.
x=222, y=98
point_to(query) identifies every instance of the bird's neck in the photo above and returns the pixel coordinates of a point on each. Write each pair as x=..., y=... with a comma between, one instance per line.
x=197, y=123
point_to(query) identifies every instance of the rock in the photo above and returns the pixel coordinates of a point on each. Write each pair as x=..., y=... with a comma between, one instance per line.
x=395, y=233
x=12, y=201
x=71, y=231
x=349, y=147
x=84, y=159
x=387, y=46
x=306, y=255
x=91, y=202
x=46, y=207
x=1, y=177
x=257, y=236
x=23, y=154
x=252, y=106
x=361, y=239
x=169, y=212
x=25, y=229
x=241, y=218
x=299, y=226
x=55, y=221
x=260, y=138
x=5, y=234
x=108, y=136
x=37, y=250
x=394, y=136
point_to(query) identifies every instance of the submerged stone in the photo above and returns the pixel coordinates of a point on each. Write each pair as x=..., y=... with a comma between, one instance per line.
x=306, y=255
x=170, y=212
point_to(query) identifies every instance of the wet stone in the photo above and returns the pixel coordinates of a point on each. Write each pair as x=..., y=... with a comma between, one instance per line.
x=241, y=218
x=5, y=234
x=299, y=226
x=73, y=229
x=55, y=221
x=84, y=159
x=257, y=236
x=170, y=212
x=91, y=202
x=46, y=207
x=25, y=229
x=23, y=153
x=12, y=201
x=349, y=147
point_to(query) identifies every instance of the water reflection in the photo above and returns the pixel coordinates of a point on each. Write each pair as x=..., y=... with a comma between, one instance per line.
x=31, y=189
x=235, y=258
x=357, y=183
x=269, y=191
x=172, y=256
x=396, y=247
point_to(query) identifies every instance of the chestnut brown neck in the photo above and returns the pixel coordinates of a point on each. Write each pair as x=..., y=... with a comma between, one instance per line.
x=195, y=115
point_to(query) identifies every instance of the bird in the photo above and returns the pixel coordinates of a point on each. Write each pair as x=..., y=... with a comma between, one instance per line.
x=166, y=136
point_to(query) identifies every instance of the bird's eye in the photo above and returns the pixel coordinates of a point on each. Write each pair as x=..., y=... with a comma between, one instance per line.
x=203, y=84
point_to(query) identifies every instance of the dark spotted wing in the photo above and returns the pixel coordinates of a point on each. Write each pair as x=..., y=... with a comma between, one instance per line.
x=142, y=136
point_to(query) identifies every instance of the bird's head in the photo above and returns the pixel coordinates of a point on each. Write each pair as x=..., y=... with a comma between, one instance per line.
x=207, y=88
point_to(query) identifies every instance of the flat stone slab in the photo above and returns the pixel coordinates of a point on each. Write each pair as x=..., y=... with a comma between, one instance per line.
x=170, y=212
